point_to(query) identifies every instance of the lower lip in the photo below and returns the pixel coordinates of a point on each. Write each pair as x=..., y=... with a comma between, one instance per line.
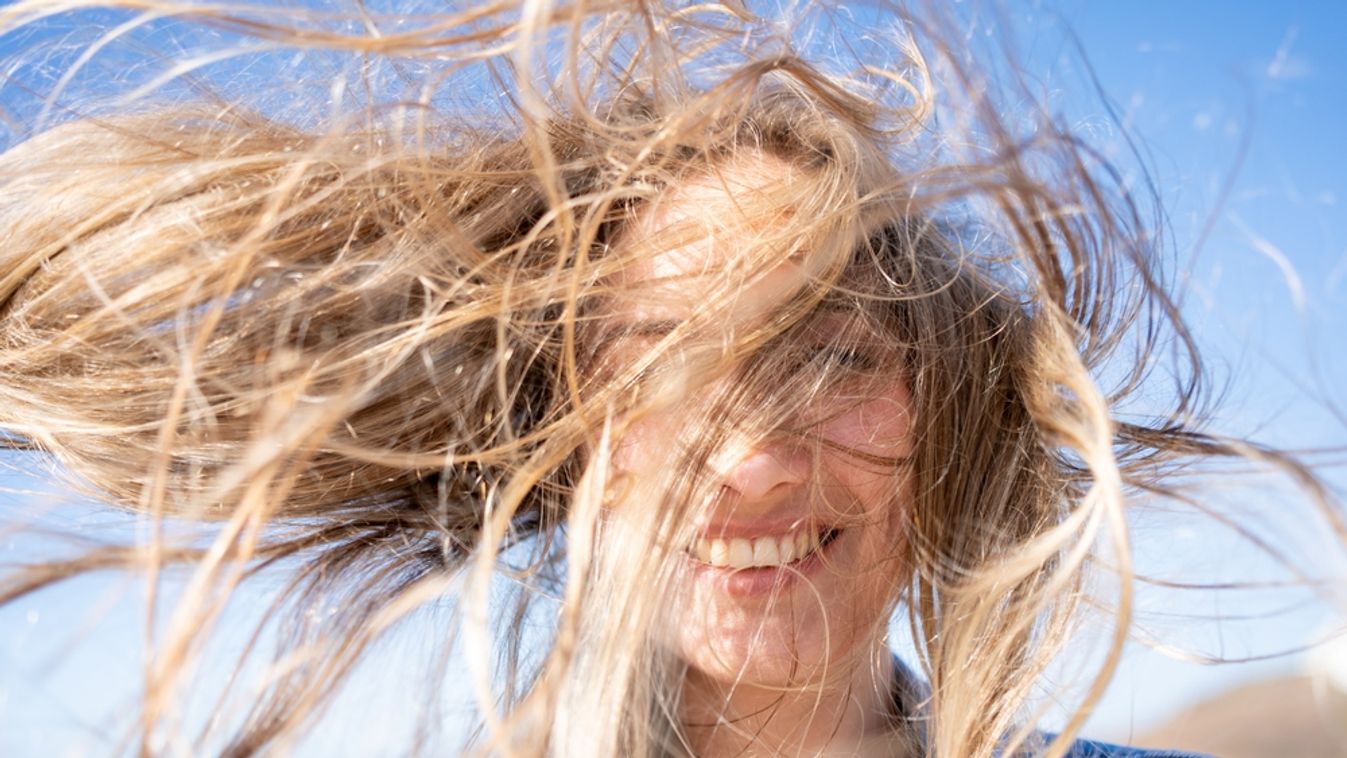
x=763, y=580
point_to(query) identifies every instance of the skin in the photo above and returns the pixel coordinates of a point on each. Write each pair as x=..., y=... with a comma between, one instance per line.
x=801, y=669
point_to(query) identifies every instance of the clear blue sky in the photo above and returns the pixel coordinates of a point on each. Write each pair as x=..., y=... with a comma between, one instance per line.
x=1240, y=109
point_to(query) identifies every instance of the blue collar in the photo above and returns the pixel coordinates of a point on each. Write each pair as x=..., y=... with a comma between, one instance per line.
x=912, y=703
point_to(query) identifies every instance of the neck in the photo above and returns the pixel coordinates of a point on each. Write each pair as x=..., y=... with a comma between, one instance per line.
x=832, y=716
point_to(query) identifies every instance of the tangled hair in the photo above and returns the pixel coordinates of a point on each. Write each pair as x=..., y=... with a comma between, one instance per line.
x=371, y=350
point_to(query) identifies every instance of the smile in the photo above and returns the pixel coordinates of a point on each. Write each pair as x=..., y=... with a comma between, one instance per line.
x=761, y=552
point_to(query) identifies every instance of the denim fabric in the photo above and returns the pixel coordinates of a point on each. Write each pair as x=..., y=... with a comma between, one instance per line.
x=1091, y=749
x=912, y=695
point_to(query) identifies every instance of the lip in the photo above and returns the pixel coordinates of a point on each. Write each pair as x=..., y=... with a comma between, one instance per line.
x=763, y=580
x=763, y=528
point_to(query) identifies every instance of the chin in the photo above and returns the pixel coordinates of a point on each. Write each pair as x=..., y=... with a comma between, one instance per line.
x=792, y=641
x=818, y=619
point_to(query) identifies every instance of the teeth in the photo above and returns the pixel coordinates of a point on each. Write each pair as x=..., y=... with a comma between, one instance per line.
x=741, y=553
x=763, y=551
x=720, y=552
x=702, y=549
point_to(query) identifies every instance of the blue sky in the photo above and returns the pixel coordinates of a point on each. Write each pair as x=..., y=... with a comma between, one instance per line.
x=1241, y=114
x=1240, y=108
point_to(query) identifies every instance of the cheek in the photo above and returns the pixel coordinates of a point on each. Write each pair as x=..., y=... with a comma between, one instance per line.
x=643, y=446
x=640, y=461
x=879, y=427
x=868, y=444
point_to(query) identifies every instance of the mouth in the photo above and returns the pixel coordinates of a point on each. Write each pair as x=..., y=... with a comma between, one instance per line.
x=768, y=551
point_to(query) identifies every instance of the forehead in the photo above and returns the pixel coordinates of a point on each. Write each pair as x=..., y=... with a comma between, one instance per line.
x=721, y=239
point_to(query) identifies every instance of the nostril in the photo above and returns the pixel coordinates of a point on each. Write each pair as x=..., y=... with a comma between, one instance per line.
x=759, y=474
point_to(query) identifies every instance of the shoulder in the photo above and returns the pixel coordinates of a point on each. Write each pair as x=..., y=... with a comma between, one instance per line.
x=1092, y=749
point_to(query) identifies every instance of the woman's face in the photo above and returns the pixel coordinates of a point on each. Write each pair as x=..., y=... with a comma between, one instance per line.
x=796, y=557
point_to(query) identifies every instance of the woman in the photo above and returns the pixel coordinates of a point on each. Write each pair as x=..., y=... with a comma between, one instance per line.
x=733, y=357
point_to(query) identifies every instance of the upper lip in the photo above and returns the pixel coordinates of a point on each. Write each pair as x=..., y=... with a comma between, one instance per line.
x=758, y=528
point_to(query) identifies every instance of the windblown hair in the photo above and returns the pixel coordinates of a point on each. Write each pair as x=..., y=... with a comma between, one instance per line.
x=370, y=348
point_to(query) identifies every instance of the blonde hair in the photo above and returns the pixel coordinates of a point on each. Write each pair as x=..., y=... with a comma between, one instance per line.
x=369, y=351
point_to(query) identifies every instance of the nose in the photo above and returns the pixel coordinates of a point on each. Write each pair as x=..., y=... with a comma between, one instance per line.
x=764, y=473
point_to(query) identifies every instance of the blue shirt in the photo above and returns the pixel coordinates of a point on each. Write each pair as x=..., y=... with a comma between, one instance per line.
x=1091, y=749
x=912, y=694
